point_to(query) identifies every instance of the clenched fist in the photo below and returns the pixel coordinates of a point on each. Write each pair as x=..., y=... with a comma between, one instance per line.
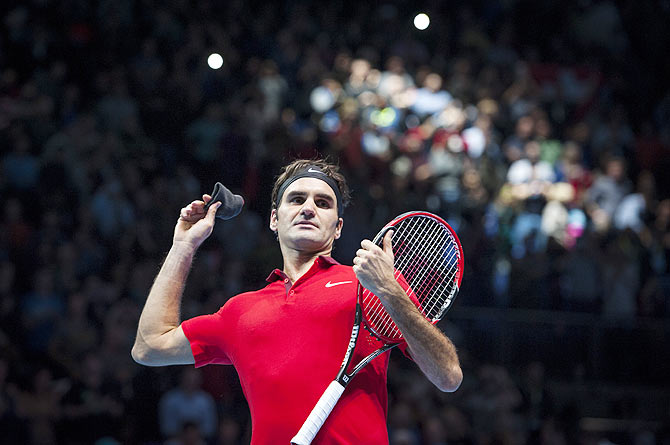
x=373, y=266
x=195, y=224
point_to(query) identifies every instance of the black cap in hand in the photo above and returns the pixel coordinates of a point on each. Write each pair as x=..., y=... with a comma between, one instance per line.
x=231, y=205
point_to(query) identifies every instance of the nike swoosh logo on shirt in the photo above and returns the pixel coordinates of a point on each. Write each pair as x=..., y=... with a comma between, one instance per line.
x=329, y=284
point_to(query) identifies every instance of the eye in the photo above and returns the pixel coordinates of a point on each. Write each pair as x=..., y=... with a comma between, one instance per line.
x=297, y=199
x=323, y=203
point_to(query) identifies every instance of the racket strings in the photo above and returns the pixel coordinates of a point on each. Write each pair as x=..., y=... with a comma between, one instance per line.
x=426, y=265
x=431, y=273
x=414, y=264
x=436, y=283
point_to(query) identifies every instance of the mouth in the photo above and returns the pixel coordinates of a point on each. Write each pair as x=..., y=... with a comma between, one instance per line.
x=306, y=223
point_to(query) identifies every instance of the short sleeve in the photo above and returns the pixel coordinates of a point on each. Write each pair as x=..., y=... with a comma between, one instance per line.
x=207, y=335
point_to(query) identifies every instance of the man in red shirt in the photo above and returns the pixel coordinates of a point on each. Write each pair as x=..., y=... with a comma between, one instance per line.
x=287, y=340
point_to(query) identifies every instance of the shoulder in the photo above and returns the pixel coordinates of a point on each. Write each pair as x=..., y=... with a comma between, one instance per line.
x=240, y=301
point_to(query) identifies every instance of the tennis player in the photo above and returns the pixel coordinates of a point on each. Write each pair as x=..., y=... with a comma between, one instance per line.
x=287, y=339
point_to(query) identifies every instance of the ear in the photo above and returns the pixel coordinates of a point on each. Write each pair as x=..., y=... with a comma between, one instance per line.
x=338, y=229
x=273, y=220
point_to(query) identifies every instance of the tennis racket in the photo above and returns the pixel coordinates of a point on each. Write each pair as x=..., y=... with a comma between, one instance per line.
x=428, y=264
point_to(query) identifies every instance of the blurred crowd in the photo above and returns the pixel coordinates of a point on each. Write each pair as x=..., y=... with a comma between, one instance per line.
x=540, y=132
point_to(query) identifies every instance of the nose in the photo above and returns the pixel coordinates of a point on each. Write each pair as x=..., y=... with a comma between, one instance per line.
x=308, y=208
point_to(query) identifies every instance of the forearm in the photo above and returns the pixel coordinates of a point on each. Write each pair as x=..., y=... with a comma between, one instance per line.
x=161, y=313
x=431, y=350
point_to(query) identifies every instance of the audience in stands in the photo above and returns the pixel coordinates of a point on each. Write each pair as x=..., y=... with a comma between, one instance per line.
x=533, y=149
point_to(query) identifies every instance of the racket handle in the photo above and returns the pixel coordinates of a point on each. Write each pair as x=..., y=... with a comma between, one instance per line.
x=319, y=414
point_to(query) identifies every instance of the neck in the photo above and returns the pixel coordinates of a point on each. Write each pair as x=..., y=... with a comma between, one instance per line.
x=297, y=262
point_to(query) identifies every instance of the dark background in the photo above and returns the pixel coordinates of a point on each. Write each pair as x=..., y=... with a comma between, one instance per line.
x=111, y=121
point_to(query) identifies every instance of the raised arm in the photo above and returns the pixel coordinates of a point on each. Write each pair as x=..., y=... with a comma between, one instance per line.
x=160, y=339
x=432, y=351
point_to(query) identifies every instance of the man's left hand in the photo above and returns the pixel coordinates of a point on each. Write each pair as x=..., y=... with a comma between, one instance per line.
x=373, y=265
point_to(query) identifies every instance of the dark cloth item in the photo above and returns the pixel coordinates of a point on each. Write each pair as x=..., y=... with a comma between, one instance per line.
x=231, y=204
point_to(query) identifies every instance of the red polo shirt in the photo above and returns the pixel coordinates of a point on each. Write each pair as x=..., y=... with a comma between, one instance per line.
x=287, y=342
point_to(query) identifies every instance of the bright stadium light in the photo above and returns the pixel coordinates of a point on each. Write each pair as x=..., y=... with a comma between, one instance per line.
x=421, y=21
x=215, y=61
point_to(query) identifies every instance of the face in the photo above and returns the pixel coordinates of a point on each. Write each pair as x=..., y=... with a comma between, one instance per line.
x=307, y=219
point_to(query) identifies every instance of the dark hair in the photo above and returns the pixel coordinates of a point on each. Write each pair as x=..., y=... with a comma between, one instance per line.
x=331, y=170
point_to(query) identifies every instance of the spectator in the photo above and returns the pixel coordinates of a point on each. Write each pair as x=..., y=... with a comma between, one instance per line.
x=229, y=432
x=42, y=307
x=607, y=192
x=633, y=209
x=20, y=167
x=538, y=403
x=529, y=179
x=571, y=169
x=621, y=276
x=41, y=408
x=92, y=407
x=74, y=335
x=580, y=277
x=111, y=209
x=10, y=423
x=494, y=404
x=188, y=404
x=189, y=435
x=204, y=135
x=458, y=427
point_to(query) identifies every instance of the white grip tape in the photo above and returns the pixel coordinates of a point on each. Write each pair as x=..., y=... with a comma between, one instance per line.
x=319, y=414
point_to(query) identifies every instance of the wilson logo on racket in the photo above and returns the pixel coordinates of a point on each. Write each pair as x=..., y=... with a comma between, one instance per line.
x=352, y=344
